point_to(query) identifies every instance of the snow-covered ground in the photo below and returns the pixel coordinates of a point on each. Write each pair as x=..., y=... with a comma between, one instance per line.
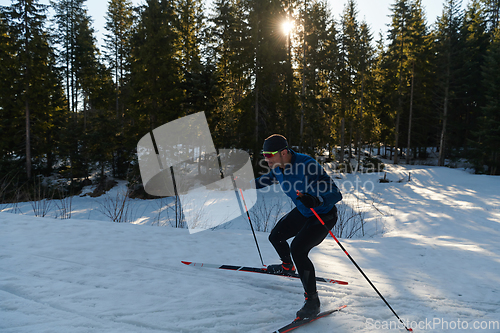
x=436, y=260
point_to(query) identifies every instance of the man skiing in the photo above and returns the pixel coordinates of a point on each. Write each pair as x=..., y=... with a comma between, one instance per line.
x=305, y=181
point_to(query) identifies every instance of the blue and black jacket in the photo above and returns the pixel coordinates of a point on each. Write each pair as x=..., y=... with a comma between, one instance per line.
x=306, y=175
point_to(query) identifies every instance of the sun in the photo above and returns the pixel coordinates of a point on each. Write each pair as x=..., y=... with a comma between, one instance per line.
x=287, y=26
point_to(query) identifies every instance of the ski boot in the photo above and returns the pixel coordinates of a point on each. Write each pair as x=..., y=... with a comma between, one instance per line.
x=310, y=308
x=281, y=269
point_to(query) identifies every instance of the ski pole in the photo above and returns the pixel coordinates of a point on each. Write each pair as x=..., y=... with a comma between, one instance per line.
x=249, y=219
x=359, y=268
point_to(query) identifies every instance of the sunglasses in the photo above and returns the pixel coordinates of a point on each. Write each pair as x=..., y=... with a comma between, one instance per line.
x=269, y=154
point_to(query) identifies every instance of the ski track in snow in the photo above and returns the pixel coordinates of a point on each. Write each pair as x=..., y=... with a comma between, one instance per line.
x=437, y=259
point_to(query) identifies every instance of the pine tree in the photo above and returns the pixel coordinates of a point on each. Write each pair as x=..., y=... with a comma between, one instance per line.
x=405, y=77
x=474, y=40
x=50, y=112
x=69, y=16
x=448, y=52
x=156, y=71
x=398, y=67
x=86, y=63
x=119, y=22
x=231, y=53
x=100, y=141
x=36, y=88
x=294, y=39
x=11, y=124
x=492, y=11
x=347, y=71
x=271, y=109
x=382, y=121
x=356, y=57
x=418, y=80
x=315, y=64
x=365, y=58
x=27, y=19
x=191, y=21
x=488, y=135
x=329, y=56
x=79, y=59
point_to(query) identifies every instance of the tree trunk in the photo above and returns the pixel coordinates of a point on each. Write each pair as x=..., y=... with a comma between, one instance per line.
x=303, y=95
x=26, y=102
x=408, y=154
x=342, y=140
x=350, y=140
x=28, y=139
x=400, y=99
x=256, y=101
x=442, y=144
x=360, y=118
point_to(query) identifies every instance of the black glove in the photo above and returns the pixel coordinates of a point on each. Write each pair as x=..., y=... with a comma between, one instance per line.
x=310, y=201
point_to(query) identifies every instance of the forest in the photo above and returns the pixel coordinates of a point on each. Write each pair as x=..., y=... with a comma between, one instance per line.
x=255, y=67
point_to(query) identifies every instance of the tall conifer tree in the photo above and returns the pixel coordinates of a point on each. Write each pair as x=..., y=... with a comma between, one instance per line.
x=488, y=135
x=356, y=56
x=418, y=81
x=232, y=56
x=315, y=63
x=269, y=68
x=119, y=22
x=398, y=65
x=156, y=71
x=36, y=85
x=474, y=40
x=492, y=11
x=448, y=45
x=11, y=119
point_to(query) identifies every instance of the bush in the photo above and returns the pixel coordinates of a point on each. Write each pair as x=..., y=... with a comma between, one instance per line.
x=372, y=164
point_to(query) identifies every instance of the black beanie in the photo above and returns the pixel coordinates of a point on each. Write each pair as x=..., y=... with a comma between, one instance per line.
x=274, y=143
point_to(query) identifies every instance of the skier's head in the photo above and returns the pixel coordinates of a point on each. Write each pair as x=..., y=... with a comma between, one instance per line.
x=273, y=144
x=275, y=150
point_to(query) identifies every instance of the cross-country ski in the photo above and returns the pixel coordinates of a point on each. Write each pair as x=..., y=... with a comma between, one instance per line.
x=257, y=270
x=301, y=322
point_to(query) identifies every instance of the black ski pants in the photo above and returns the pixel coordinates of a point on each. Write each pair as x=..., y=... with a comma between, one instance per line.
x=308, y=232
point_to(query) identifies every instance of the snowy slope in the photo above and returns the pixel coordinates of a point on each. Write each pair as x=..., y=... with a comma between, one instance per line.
x=437, y=264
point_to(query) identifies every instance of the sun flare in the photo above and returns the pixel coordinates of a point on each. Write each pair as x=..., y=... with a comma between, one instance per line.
x=287, y=26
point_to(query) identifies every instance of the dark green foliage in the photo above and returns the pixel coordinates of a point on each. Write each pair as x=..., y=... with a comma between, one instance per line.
x=31, y=102
x=155, y=77
x=487, y=137
x=324, y=84
x=471, y=96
